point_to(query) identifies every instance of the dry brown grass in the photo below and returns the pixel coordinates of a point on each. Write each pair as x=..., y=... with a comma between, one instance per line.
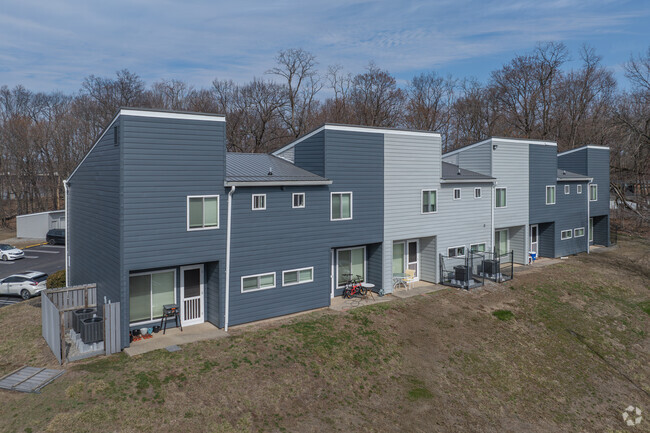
x=440, y=362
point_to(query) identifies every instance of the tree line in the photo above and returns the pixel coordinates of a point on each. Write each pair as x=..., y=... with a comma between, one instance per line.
x=43, y=136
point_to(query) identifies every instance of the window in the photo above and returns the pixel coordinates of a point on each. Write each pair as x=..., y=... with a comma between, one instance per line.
x=341, y=206
x=477, y=248
x=297, y=276
x=579, y=232
x=578, y=189
x=501, y=197
x=456, y=193
x=202, y=212
x=148, y=293
x=350, y=262
x=429, y=201
x=298, y=200
x=593, y=192
x=259, y=202
x=477, y=192
x=501, y=241
x=456, y=251
x=252, y=283
x=566, y=234
x=567, y=189
x=550, y=195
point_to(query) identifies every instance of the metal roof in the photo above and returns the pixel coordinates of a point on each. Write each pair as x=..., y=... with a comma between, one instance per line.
x=451, y=172
x=568, y=175
x=261, y=168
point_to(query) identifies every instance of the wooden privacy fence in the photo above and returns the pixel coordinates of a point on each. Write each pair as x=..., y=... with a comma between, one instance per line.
x=57, y=307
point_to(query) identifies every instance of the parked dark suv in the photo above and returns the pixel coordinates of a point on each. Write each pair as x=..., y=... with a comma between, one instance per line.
x=55, y=236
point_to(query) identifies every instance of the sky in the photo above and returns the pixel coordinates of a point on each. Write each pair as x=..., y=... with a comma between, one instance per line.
x=48, y=45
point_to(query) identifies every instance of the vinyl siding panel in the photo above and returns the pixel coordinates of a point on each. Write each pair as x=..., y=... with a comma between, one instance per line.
x=288, y=154
x=511, y=168
x=543, y=172
x=429, y=259
x=598, y=168
x=546, y=240
x=517, y=237
x=574, y=161
x=213, y=301
x=478, y=159
x=310, y=154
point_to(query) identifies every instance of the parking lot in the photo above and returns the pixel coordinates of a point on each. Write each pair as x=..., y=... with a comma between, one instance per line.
x=44, y=258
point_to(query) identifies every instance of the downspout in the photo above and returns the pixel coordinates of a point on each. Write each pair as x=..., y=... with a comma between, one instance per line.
x=227, y=309
x=588, y=214
x=67, y=234
x=493, y=200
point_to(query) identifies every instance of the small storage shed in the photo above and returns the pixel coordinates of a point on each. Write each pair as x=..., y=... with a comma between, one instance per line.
x=36, y=225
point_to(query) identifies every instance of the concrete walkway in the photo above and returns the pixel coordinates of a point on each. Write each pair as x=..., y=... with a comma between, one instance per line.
x=418, y=289
x=174, y=337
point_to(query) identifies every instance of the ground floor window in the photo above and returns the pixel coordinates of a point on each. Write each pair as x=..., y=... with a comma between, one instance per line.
x=456, y=251
x=350, y=263
x=148, y=292
x=477, y=248
x=579, y=232
x=297, y=276
x=501, y=241
x=258, y=282
x=566, y=234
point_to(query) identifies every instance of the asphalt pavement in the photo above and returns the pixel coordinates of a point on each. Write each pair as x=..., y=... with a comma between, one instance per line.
x=43, y=258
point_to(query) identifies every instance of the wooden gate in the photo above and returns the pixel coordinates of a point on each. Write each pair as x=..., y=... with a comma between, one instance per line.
x=112, y=336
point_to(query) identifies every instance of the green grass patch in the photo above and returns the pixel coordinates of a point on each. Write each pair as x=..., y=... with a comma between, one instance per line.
x=504, y=315
x=645, y=306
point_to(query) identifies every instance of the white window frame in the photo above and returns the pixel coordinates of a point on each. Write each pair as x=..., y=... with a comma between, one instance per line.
x=259, y=279
x=567, y=189
x=595, y=187
x=351, y=205
x=144, y=322
x=578, y=189
x=365, y=263
x=456, y=248
x=311, y=268
x=477, y=190
x=253, y=196
x=496, y=194
x=422, y=201
x=576, y=230
x=564, y=232
x=554, y=194
x=293, y=200
x=459, y=194
x=188, y=212
x=475, y=245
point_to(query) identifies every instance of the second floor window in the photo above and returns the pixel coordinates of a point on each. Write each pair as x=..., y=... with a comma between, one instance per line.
x=203, y=212
x=259, y=202
x=477, y=192
x=429, y=201
x=341, y=206
x=567, y=189
x=593, y=192
x=500, y=197
x=550, y=195
x=298, y=200
x=578, y=189
x=456, y=193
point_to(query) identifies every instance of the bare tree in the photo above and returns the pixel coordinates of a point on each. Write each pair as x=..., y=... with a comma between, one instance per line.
x=429, y=104
x=376, y=99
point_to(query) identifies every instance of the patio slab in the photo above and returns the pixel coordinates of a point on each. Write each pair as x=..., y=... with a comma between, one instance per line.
x=418, y=289
x=174, y=336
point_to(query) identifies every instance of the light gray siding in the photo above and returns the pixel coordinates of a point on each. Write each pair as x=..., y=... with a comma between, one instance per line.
x=288, y=154
x=510, y=167
x=478, y=158
x=429, y=259
x=517, y=237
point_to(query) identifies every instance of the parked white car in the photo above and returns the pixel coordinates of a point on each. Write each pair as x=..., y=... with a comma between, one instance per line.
x=25, y=284
x=7, y=252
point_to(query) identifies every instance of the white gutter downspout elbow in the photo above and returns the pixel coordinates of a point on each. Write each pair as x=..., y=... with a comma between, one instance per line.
x=67, y=233
x=227, y=306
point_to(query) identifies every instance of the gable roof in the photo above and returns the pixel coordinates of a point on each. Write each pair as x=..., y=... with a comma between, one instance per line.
x=252, y=169
x=453, y=173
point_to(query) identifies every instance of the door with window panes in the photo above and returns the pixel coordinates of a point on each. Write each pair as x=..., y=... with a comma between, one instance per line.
x=350, y=263
x=192, y=299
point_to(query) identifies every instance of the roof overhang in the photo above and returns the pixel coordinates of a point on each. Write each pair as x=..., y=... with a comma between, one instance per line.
x=467, y=180
x=575, y=179
x=280, y=183
x=589, y=146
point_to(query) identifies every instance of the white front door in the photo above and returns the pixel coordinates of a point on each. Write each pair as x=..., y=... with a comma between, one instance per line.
x=534, y=239
x=192, y=298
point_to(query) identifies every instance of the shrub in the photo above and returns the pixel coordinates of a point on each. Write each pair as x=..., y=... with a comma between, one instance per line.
x=504, y=315
x=56, y=280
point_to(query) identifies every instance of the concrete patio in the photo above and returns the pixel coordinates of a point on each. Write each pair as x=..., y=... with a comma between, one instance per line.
x=174, y=337
x=418, y=288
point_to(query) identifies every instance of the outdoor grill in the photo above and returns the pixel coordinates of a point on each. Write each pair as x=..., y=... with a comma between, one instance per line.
x=170, y=310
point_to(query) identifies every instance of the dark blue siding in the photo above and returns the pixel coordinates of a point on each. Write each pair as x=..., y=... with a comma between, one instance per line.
x=547, y=240
x=94, y=219
x=598, y=169
x=310, y=154
x=574, y=161
x=571, y=214
x=543, y=172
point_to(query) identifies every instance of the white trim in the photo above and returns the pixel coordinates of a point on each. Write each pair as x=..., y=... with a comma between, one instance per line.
x=566, y=152
x=280, y=183
x=459, y=194
x=567, y=189
x=40, y=213
x=530, y=235
x=566, y=238
x=422, y=201
x=171, y=115
x=160, y=271
x=480, y=193
x=67, y=234
x=578, y=228
x=181, y=295
x=226, y=311
x=491, y=180
x=496, y=190
x=507, y=230
x=108, y=128
x=480, y=243
x=456, y=248
x=293, y=200
x=311, y=268
x=350, y=128
x=501, y=140
x=351, y=206
x=554, y=195
x=365, y=263
x=203, y=227
x=590, y=186
x=241, y=287
x=253, y=196
x=578, y=189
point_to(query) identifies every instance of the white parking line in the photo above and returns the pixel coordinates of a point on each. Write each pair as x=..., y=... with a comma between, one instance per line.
x=52, y=246
x=6, y=263
x=44, y=251
x=31, y=257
